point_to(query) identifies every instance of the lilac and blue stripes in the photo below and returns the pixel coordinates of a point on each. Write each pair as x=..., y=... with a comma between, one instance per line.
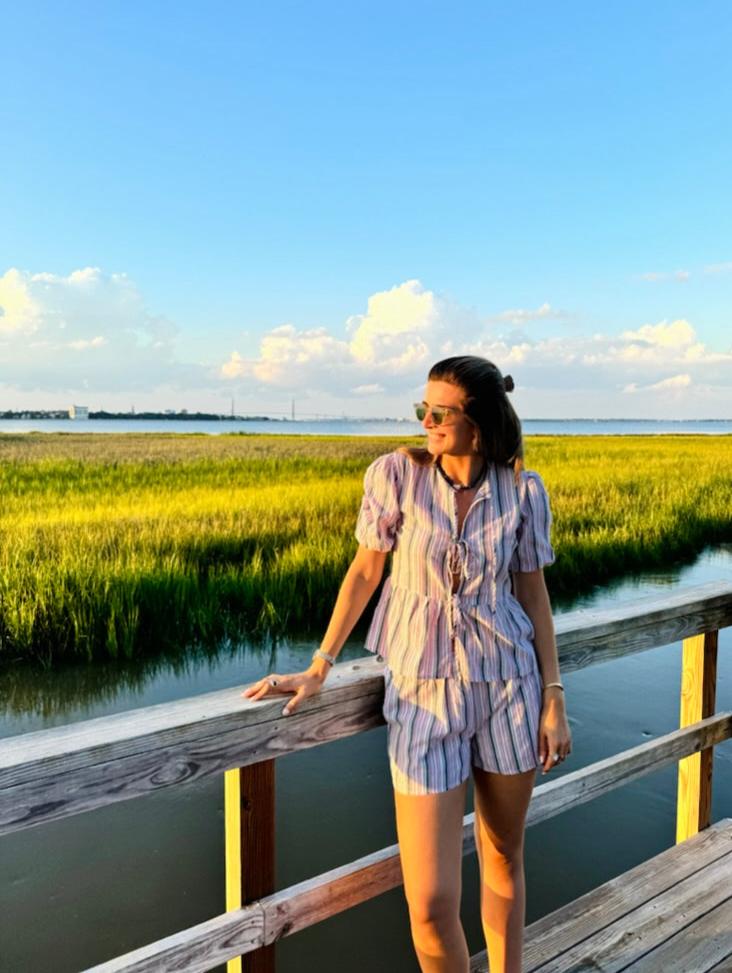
x=419, y=627
x=439, y=728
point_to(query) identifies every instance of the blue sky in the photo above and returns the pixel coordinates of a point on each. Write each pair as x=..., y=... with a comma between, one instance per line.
x=319, y=200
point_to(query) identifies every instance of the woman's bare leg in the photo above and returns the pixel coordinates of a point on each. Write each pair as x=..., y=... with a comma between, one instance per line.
x=430, y=835
x=501, y=802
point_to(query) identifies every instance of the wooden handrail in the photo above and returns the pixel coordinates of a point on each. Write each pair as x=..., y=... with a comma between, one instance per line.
x=51, y=774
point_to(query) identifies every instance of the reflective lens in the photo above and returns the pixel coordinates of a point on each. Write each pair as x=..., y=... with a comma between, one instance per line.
x=438, y=415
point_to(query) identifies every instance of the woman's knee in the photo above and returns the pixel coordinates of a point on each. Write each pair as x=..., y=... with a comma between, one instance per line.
x=506, y=848
x=435, y=908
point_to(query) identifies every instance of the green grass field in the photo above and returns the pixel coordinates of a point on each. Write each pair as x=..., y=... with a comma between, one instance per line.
x=114, y=546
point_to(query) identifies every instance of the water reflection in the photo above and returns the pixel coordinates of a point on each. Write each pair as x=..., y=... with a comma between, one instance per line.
x=33, y=698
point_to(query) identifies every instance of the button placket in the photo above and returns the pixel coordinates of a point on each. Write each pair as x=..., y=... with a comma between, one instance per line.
x=457, y=561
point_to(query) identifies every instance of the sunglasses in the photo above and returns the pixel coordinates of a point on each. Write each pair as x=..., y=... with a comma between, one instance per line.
x=438, y=413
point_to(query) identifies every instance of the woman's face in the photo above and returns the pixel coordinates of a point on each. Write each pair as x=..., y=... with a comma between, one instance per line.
x=456, y=433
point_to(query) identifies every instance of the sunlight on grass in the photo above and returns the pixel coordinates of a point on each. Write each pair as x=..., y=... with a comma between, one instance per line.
x=115, y=545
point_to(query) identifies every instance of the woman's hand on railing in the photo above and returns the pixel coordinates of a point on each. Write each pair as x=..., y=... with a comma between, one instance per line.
x=302, y=684
x=555, y=737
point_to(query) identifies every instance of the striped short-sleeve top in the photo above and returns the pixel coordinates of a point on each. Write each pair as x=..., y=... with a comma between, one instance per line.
x=419, y=626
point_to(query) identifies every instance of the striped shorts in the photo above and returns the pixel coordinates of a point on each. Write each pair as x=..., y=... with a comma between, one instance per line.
x=438, y=728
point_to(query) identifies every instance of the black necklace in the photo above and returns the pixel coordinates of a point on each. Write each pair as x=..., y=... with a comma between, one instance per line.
x=461, y=486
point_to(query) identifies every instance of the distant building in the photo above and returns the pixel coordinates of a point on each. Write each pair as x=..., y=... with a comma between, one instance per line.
x=79, y=412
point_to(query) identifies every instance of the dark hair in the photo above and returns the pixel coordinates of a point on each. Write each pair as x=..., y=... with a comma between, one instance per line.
x=484, y=388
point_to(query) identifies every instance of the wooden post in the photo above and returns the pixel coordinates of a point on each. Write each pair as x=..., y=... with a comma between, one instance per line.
x=698, y=701
x=250, y=849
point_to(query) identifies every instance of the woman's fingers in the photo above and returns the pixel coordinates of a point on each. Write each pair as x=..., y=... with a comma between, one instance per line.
x=549, y=746
x=298, y=683
x=295, y=701
x=264, y=687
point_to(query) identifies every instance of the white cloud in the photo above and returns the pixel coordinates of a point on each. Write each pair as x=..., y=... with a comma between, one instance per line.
x=83, y=343
x=386, y=354
x=664, y=335
x=675, y=382
x=88, y=330
x=391, y=340
x=723, y=268
x=520, y=315
x=93, y=332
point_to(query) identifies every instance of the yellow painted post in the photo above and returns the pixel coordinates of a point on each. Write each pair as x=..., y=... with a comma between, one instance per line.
x=250, y=849
x=698, y=701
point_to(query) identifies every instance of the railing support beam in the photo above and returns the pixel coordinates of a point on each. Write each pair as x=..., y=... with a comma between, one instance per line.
x=250, y=850
x=698, y=701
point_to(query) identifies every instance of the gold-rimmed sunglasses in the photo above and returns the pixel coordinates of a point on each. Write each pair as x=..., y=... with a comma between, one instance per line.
x=439, y=412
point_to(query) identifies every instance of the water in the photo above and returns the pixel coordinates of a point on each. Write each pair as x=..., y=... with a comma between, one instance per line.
x=367, y=427
x=114, y=879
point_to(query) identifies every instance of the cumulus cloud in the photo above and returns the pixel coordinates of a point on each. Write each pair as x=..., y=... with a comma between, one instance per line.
x=674, y=382
x=723, y=268
x=93, y=332
x=388, y=350
x=519, y=315
x=88, y=330
x=393, y=339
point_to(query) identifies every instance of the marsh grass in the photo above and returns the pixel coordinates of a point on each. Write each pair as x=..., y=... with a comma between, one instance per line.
x=121, y=546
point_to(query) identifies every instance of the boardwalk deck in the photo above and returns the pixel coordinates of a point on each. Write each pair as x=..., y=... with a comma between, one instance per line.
x=672, y=913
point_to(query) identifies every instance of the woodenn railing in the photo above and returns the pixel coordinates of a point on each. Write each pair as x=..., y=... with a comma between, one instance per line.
x=52, y=774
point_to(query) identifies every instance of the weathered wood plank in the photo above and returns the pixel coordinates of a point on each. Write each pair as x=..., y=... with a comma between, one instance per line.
x=698, y=700
x=618, y=945
x=196, y=949
x=725, y=966
x=699, y=946
x=588, y=636
x=92, y=775
x=598, y=778
x=565, y=938
x=217, y=940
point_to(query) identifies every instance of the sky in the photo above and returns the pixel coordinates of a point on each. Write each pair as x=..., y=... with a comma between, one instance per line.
x=211, y=203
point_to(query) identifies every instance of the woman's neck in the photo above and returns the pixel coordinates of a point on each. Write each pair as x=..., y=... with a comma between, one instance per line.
x=462, y=469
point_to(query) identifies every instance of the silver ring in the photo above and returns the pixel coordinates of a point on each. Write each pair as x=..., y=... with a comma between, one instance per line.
x=272, y=681
x=555, y=756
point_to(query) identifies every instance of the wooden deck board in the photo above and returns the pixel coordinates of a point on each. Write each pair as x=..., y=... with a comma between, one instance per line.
x=614, y=926
x=700, y=946
x=724, y=967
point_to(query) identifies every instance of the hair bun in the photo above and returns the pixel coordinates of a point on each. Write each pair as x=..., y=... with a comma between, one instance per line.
x=508, y=383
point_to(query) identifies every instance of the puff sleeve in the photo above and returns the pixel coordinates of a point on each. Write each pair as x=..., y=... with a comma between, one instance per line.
x=534, y=548
x=380, y=516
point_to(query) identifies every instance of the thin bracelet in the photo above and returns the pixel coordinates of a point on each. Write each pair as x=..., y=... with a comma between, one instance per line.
x=547, y=685
x=320, y=654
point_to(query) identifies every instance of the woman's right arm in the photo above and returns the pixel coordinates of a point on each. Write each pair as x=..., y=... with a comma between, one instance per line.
x=360, y=582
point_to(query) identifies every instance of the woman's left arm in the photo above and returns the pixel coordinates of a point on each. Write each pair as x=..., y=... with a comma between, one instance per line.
x=555, y=737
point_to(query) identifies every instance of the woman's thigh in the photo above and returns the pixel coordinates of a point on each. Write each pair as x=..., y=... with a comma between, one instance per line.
x=430, y=835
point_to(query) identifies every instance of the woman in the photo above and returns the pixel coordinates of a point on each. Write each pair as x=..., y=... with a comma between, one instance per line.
x=464, y=626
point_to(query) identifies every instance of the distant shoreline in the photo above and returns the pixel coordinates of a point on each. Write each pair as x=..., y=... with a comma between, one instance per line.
x=62, y=415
